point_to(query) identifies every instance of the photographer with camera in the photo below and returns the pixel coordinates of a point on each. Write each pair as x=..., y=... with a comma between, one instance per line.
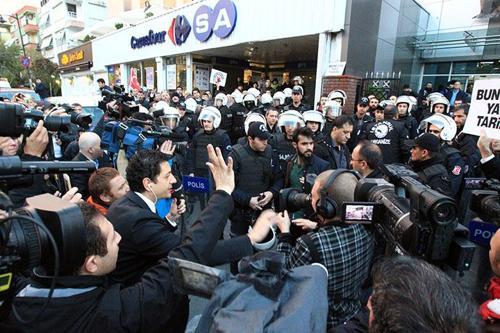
x=346, y=250
x=87, y=301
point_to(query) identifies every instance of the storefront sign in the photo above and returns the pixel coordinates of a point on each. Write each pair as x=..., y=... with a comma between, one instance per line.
x=220, y=21
x=484, y=113
x=151, y=38
x=76, y=59
x=335, y=68
x=179, y=30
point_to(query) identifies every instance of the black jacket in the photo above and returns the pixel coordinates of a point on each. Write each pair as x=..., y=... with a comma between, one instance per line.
x=95, y=305
x=314, y=165
x=332, y=155
x=81, y=180
x=146, y=238
x=358, y=129
x=432, y=173
x=491, y=169
x=390, y=135
x=42, y=91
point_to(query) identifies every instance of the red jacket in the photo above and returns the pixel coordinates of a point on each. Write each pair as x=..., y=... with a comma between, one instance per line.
x=494, y=290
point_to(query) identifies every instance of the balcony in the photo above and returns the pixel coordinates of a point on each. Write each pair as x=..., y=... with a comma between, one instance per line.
x=30, y=28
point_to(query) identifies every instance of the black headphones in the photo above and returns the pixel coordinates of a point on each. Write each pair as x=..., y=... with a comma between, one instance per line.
x=326, y=207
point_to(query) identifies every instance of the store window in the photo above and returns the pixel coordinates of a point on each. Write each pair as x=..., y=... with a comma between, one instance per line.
x=477, y=67
x=437, y=68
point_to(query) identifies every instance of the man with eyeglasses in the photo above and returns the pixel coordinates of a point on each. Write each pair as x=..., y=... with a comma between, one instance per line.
x=366, y=158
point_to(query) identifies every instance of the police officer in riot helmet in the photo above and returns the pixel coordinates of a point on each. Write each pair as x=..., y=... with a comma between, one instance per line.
x=296, y=104
x=282, y=143
x=279, y=100
x=239, y=112
x=210, y=133
x=250, y=102
x=403, y=108
x=256, y=179
x=220, y=103
x=427, y=162
x=388, y=134
x=315, y=121
x=338, y=96
x=444, y=128
x=252, y=118
x=437, y=103
x=331, y=110
x=359, y=120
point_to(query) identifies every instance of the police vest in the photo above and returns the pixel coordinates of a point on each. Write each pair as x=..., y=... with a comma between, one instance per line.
x=226, y=118
x=203, y=139
x=432, y=171
x=255, y=173
x=283, y=148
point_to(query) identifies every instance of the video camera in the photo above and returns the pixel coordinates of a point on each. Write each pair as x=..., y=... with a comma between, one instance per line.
x=412, y=218
x=485, y=198
x=125, y=105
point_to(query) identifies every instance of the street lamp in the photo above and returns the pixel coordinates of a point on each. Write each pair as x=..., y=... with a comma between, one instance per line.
x=16, y=17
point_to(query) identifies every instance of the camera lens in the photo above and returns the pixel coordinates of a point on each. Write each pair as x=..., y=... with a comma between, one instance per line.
x=443, y=212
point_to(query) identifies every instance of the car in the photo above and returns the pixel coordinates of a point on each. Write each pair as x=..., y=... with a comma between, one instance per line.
x=9, y=93
x=89, y=106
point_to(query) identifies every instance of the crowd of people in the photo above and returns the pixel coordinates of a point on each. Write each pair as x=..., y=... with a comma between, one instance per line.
x=249, y=144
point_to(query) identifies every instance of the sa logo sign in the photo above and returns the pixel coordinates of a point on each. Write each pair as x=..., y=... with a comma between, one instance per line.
x=221, y=20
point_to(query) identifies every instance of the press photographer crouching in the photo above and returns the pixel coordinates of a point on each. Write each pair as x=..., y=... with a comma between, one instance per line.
x=346, y=250
x=85, y=300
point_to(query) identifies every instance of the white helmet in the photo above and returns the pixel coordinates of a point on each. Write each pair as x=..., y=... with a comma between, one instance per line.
x=255, y=92
x=287, y=92
x=266, y=99
x=403, y=99
x=298, y=79
x=237, y=95
x=161, y=105
x=291, y=116
x=210, y=113
x=142, y=109
x=222, y=97
x=250, y=98
x=279, y=95
x=445, y=123
x=334, y=106
x=170, y=115
x=253, y=117
x=191, y=104
x=337, y=94
x=314, y=116
x=440, y=100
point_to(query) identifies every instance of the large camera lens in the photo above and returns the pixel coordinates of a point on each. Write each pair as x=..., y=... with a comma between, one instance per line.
x=443, y=212
x=57, y=123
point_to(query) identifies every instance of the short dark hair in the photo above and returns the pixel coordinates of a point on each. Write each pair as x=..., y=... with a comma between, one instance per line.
x=101, y=81
x=371, y=154
x=303, y=131
x=99, y=183
x=76, y=104
x=464, y=107
x=144, y=164
x=195, y=89
x=341, y=121
x=411, y=295
x=96, y=242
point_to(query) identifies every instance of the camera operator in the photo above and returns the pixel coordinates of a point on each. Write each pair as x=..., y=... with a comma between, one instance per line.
x=413, y=296
x=428, y=164
x=490, y=160
x=86, y=301
x=146, y=237
x=346, y=250
x=366, y=159
x=71, y=134
x=89, y=145
x=106, y=185
x=102, y=85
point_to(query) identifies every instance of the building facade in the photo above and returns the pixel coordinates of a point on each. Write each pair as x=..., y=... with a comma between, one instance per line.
x=27, y=29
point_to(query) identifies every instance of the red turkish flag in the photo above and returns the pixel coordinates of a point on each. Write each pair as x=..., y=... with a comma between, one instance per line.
x=134, y=83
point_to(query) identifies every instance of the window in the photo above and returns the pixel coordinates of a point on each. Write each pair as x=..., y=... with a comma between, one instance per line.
x=71, y=9
x=437, y=68
x=477, y=67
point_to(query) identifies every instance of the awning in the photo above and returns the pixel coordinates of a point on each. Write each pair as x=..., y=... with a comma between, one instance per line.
x=46, y=43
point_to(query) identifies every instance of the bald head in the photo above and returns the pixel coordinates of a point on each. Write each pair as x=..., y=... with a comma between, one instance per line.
x=89, y=144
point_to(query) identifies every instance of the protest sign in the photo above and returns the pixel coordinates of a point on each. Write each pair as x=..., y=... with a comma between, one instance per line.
x=218, y=77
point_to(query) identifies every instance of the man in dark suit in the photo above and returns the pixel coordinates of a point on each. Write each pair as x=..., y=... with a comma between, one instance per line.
x=147, y=237
x=456, y=94
x=339, y=154
x=89, y=145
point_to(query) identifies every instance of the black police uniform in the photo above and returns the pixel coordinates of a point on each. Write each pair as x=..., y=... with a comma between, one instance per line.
x=390, y=136
x=282, y=148
x=433, y=173
x=467, y=145
x=226, y=122
x=301, y=107
x=455, y=166
x=239, y=113
x=358, y=128
x=411, y=125
x=198, y=153
x=320, y=145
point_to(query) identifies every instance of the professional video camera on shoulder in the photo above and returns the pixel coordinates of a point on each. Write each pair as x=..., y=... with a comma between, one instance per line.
x=123, y=106
x=485, y=198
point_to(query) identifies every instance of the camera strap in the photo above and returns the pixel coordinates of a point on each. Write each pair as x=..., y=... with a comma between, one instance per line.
x=312, y=248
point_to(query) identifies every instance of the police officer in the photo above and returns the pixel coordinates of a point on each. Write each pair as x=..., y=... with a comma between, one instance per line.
x=239, y=113
x=282, y=143
x=426, y=161
x=220, y=102
x=210, y=119
x=315, y=121
x=338, y=96
x=252, y=118
x=403, y=107
x=279, y=100
x=297, y=105
x=257, y=179
x=444, y=128
x=389, y=135
x=331, y=110
x=359, y=121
